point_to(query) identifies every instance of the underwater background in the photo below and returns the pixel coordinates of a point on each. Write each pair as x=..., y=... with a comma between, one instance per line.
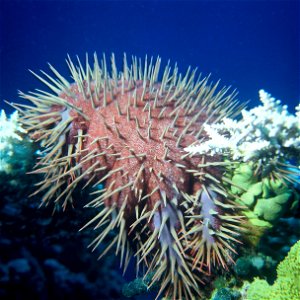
x=250, y=45
x=247, y=44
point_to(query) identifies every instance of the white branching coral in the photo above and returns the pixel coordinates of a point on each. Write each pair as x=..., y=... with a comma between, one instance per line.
x=10, y=135
x=265, y=133
x=10, y=127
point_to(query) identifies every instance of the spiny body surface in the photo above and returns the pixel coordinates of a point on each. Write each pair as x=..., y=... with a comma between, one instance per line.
x=127, y=130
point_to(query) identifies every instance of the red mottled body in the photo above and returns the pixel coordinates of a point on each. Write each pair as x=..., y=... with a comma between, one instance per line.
x=138, y=135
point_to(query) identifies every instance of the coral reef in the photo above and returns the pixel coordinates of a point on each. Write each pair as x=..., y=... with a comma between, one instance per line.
x=10, y=129
x=261, y=262
x=11, y=134
x=267, y=200
x=44, y=257
x=276, y=242
x=225, y=294
x=16, y=154
x=265, y=146
x=287, y=284
x=266, y=134
x=264, y=143
x=139, y=286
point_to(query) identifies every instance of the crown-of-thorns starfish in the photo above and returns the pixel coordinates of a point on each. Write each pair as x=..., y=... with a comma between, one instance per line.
x=128, y=130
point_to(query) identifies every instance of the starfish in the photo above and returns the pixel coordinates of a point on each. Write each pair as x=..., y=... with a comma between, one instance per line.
x=128, y=130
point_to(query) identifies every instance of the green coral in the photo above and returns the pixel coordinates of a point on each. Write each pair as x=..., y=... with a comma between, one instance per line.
x=139, y=286
x=287, y=285
x=267, y=199
x=259, y=290
x=223, y=294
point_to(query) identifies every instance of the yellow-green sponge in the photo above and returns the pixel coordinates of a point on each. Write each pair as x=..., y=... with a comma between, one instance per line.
x=267, y=199
x=287, y=284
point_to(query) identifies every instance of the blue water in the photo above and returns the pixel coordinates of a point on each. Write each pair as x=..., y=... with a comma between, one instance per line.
x=248, y=44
